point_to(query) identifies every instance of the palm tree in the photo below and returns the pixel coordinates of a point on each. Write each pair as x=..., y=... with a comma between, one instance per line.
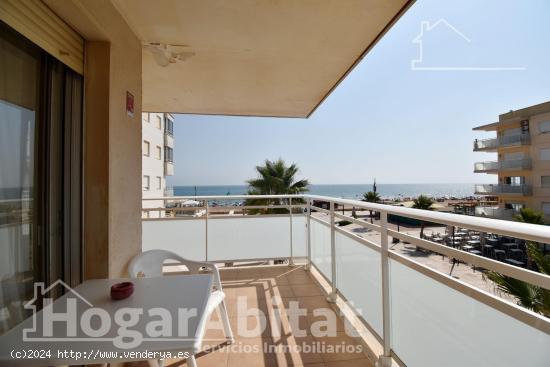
x=425, y=203
x=528, y=295
x=528, y=215
x=275, y=178
x=371, y=197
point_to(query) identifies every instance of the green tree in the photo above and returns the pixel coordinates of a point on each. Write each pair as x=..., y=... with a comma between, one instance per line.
x=275, y=178
x=528, y=215
x=371, y=197
x=425, y=203
x=527, y=295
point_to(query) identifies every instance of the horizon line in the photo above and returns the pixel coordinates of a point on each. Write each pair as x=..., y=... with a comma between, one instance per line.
x=328, y=184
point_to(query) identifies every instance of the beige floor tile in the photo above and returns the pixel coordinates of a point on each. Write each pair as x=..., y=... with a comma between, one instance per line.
x=249, y=306
x=326, y=321
x=249, y=290
x=227, y=274
x=300, y=279
x=285, y=303
x=213, y=358
x=313, y=302
x=353, y=349
x=250, y=327
x=271, y=289
x=306, y=290
x=279, y=280
x=283, y=291
x=351, y=363
x=292, y=351
x=251, y=353
x=285, y=325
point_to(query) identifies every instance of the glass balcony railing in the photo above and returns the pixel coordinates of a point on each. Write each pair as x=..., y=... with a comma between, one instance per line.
x=505, y=165
x=419, y=314
x=495, y=212
x=502, y=141
x=522, y=189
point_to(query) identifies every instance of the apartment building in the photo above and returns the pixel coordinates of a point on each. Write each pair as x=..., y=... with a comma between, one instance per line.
x=522, y=144
x=158, y=157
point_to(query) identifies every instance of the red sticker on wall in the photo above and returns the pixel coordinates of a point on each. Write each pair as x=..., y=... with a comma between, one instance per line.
x=130, y=104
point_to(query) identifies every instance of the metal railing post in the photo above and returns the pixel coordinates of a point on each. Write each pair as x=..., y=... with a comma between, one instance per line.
x=308, y=234
x=332, y=295
x=206, y=231
x=385, y=359
x=291, y=258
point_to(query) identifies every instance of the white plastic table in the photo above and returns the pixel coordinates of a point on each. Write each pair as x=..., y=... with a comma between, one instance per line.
x=171, y=293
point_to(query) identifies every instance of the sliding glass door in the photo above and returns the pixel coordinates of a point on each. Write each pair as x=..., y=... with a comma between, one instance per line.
x=40, y=173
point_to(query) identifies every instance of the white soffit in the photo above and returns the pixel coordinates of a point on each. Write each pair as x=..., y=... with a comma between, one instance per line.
x=253, y=57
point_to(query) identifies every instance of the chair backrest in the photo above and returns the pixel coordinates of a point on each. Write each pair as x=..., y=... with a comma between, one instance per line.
x=150, y=263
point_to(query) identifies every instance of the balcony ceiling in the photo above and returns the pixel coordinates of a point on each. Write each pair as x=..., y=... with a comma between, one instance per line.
x=253, y=57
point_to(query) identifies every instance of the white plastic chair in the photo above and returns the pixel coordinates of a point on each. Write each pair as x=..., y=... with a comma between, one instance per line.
x=150, y=263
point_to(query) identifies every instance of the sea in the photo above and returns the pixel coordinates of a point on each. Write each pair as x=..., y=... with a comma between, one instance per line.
x=347, y=191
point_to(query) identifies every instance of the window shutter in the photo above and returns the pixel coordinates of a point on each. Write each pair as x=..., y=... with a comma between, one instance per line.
x=34, y=20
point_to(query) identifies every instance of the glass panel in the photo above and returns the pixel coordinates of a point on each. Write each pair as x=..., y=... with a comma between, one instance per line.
x=19, y=74
x=186, y=238
x=299, y=239
x=435, y=325
x=320, y=247
x=359, y=278
x=253, y=237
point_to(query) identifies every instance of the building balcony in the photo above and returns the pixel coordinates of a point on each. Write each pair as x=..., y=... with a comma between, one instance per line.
x=495, y=212
x=504, y=189
x=390, y=301
x=168, y=168
x=494, y=144
x=169, y=140
x=505, y=165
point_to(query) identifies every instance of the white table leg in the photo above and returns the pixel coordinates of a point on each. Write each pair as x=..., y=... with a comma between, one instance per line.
x=191, y=362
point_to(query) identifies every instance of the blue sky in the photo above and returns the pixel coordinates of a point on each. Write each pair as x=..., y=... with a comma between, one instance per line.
x=386, y=120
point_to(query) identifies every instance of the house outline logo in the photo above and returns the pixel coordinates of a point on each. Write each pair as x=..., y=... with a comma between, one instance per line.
x=41, y=290
x=425, y=27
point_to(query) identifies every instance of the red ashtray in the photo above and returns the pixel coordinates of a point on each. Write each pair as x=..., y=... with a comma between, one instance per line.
x=122, y=290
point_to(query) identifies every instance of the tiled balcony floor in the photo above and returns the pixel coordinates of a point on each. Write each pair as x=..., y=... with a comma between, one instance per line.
x=270, y=289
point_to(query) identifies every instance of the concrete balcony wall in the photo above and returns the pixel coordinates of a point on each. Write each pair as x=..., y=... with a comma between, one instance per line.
x=112, y=157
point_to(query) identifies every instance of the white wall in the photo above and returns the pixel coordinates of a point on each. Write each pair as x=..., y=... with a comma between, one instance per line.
x=153, y=165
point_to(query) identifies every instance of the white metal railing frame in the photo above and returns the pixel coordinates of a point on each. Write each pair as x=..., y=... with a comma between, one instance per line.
x=525, y=231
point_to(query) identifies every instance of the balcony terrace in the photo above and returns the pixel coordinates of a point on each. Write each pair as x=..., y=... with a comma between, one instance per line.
x=495, y=212
x=505, y=165
x=269, y=324
x=493, y=144
x=504, y=189
x=400, y=300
